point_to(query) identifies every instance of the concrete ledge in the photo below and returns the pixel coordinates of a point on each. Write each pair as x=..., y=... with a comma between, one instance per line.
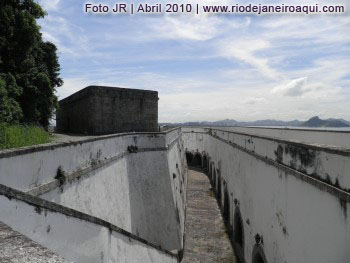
x=51, y=146
x=44, y=188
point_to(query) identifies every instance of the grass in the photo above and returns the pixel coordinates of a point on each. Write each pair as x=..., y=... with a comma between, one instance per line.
x=13, y=136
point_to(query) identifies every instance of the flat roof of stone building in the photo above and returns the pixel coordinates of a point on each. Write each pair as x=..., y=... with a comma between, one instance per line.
x=105, y=90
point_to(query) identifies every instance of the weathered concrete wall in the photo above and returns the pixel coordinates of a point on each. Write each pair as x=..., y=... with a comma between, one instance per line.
x=323, y=137
x=73, y=235
x=124, y=179
x=105, y=110
x=299, y=217
x=177, y=166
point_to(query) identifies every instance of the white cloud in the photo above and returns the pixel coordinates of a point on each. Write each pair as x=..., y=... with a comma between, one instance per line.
x=188, y=28
x=253, y=101
x=296, y=87
x=245, y=51
x=49, y=4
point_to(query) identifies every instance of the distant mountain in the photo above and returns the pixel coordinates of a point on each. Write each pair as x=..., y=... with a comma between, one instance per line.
x=317, y=122
x=229, y=122
x=313, y=122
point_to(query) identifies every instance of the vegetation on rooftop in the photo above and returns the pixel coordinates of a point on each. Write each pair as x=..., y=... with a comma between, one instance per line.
x=15, y=135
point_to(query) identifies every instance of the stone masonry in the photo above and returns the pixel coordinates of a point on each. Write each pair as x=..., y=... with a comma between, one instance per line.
x=97, y=110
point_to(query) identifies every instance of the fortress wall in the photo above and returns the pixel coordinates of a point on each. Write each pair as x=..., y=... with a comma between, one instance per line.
x=124, y=179
x=30, y=167
x=300, y=219
x=323, y=137
x=177, y=166
x=329, y=164
x=75, y=236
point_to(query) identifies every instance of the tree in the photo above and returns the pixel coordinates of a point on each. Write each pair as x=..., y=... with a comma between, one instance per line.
x=29, y=68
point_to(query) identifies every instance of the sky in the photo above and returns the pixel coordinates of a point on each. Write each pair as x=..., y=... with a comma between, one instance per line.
x=209, y=67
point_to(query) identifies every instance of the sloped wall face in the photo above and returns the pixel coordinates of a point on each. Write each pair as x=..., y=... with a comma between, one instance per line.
x=176, y=161
x=125, y=180
x=133, y=193
x=76, y=237
x=275, y=212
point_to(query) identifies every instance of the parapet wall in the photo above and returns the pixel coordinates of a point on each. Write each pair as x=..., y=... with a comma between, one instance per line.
x=126, y=180
x=284, y=201
x=310, y=136
x=76, y=236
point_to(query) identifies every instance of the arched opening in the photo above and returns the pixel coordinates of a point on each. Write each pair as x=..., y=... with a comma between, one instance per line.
x=226, y=205
x=219, y=189
x=211, y=172
x=258, y=259
x=258, y=255
x=189, y=158
x=238, y=235
x=214, y=178
x=197, y=160
x=205, y=162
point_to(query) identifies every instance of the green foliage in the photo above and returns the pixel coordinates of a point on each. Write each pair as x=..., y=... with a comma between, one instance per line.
x=10, y=110
x=12, y=136
x=29, y=68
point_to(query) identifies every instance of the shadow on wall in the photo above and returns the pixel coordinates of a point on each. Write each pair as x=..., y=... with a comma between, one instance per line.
x=147, y=188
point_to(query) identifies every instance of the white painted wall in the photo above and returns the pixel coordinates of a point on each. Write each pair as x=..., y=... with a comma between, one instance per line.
x=323, y=137
x=75, y=239
x=328, y=163
x=135, y=191
x=272, y=199
x=33, y=166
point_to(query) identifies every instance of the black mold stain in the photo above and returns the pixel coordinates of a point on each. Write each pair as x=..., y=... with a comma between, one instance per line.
x=8, y=197
x=177, y=215
x=279, y=154
x=292, y=163
x=327, y=180
x=284, y=229
x=38, y=210
x=344, y=207
x=60, y=176
x=132, y=149
x=305, y=155
x=336, y=184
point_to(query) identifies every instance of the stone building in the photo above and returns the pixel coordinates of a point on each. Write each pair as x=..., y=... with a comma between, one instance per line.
x=97, y=110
